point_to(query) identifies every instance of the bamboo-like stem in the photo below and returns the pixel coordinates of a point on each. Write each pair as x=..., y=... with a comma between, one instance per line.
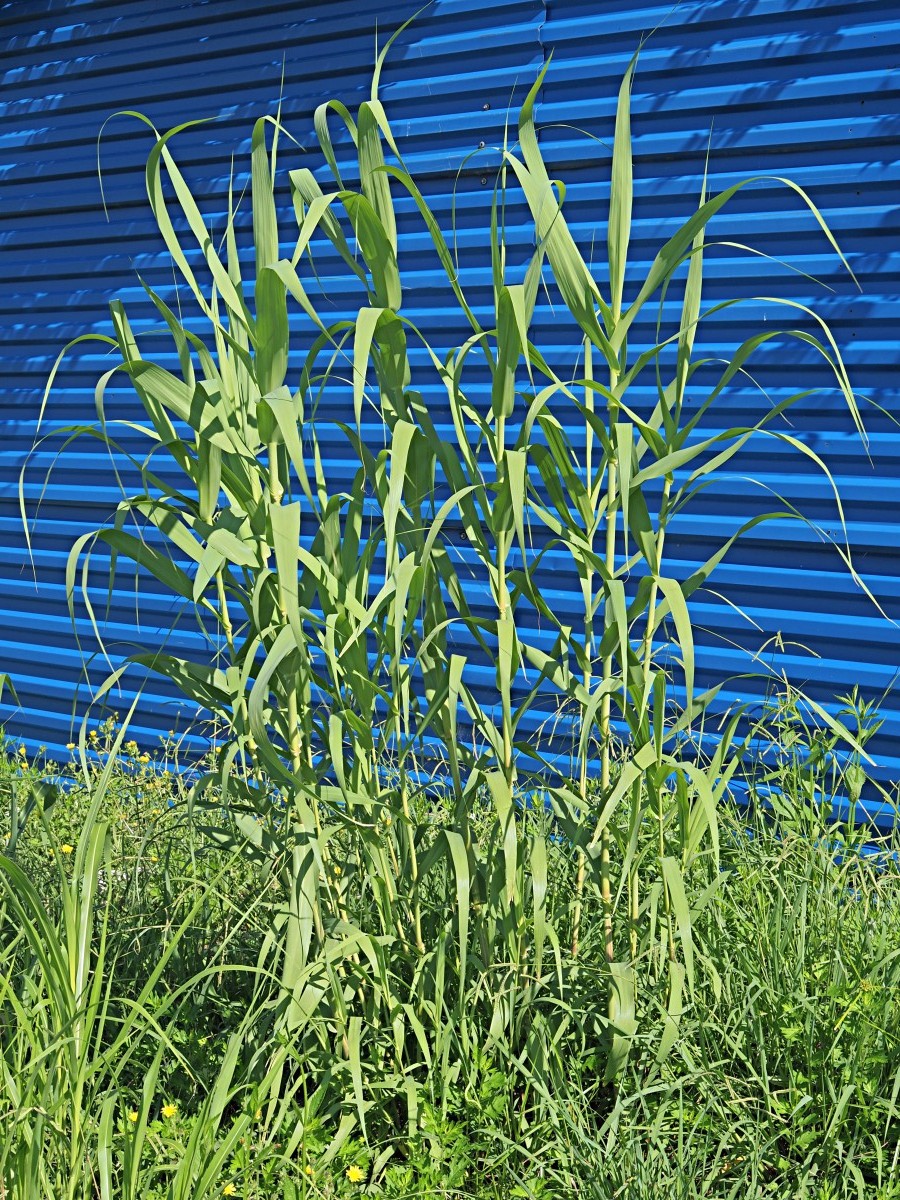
x=294, y=740
x=647, y=646
x=587, y=677
x=411, y=846
x=634, y=881
x=276, y=492
x=647, y=655
x=504, y=541
x=606, y=701
x=647, y=667
x=508, y=765
x=398, y=690
x=605, y=714
x=293, y=721
x=276, y=488
x=242, y=710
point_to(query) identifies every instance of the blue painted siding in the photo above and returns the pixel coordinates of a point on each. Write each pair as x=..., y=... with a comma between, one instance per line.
x=810, y=90
x=803, y=88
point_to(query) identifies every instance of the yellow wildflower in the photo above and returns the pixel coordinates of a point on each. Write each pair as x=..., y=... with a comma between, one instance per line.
x=70, y=745
x=131, y=747
x=132, y=1117
x=22, y=751
x=308, y=1169
x=65, y=848
x=144, y=758
x=229, y=1190
x=93, y=735
x=169, y=1110
x=354, y=1174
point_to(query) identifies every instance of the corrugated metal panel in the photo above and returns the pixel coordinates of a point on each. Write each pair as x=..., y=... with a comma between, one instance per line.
x=67, y=67
x=804, y=88
x=810, y=90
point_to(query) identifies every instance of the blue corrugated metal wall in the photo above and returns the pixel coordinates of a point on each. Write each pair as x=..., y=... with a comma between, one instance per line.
x=804, y=88
x=807, y=89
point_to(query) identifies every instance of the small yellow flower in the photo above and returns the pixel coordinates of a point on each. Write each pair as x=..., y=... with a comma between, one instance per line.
x=154, y=858
x=169, y=1110
x=70, y=745
x=144, y=758
x=22, y=751
x=132, y=1117
x=93, y=735
x=354, y=1174
x=65, y=848
x=229, y=1190
x=308, y=1169
x=131, y=747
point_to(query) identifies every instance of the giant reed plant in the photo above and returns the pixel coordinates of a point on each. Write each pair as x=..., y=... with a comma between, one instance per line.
x=365, y=760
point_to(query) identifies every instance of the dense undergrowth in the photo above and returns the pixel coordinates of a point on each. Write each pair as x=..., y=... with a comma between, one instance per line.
x=145, y=1051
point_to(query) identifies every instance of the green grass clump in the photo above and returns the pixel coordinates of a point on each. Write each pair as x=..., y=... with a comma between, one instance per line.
x=145, y=1050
